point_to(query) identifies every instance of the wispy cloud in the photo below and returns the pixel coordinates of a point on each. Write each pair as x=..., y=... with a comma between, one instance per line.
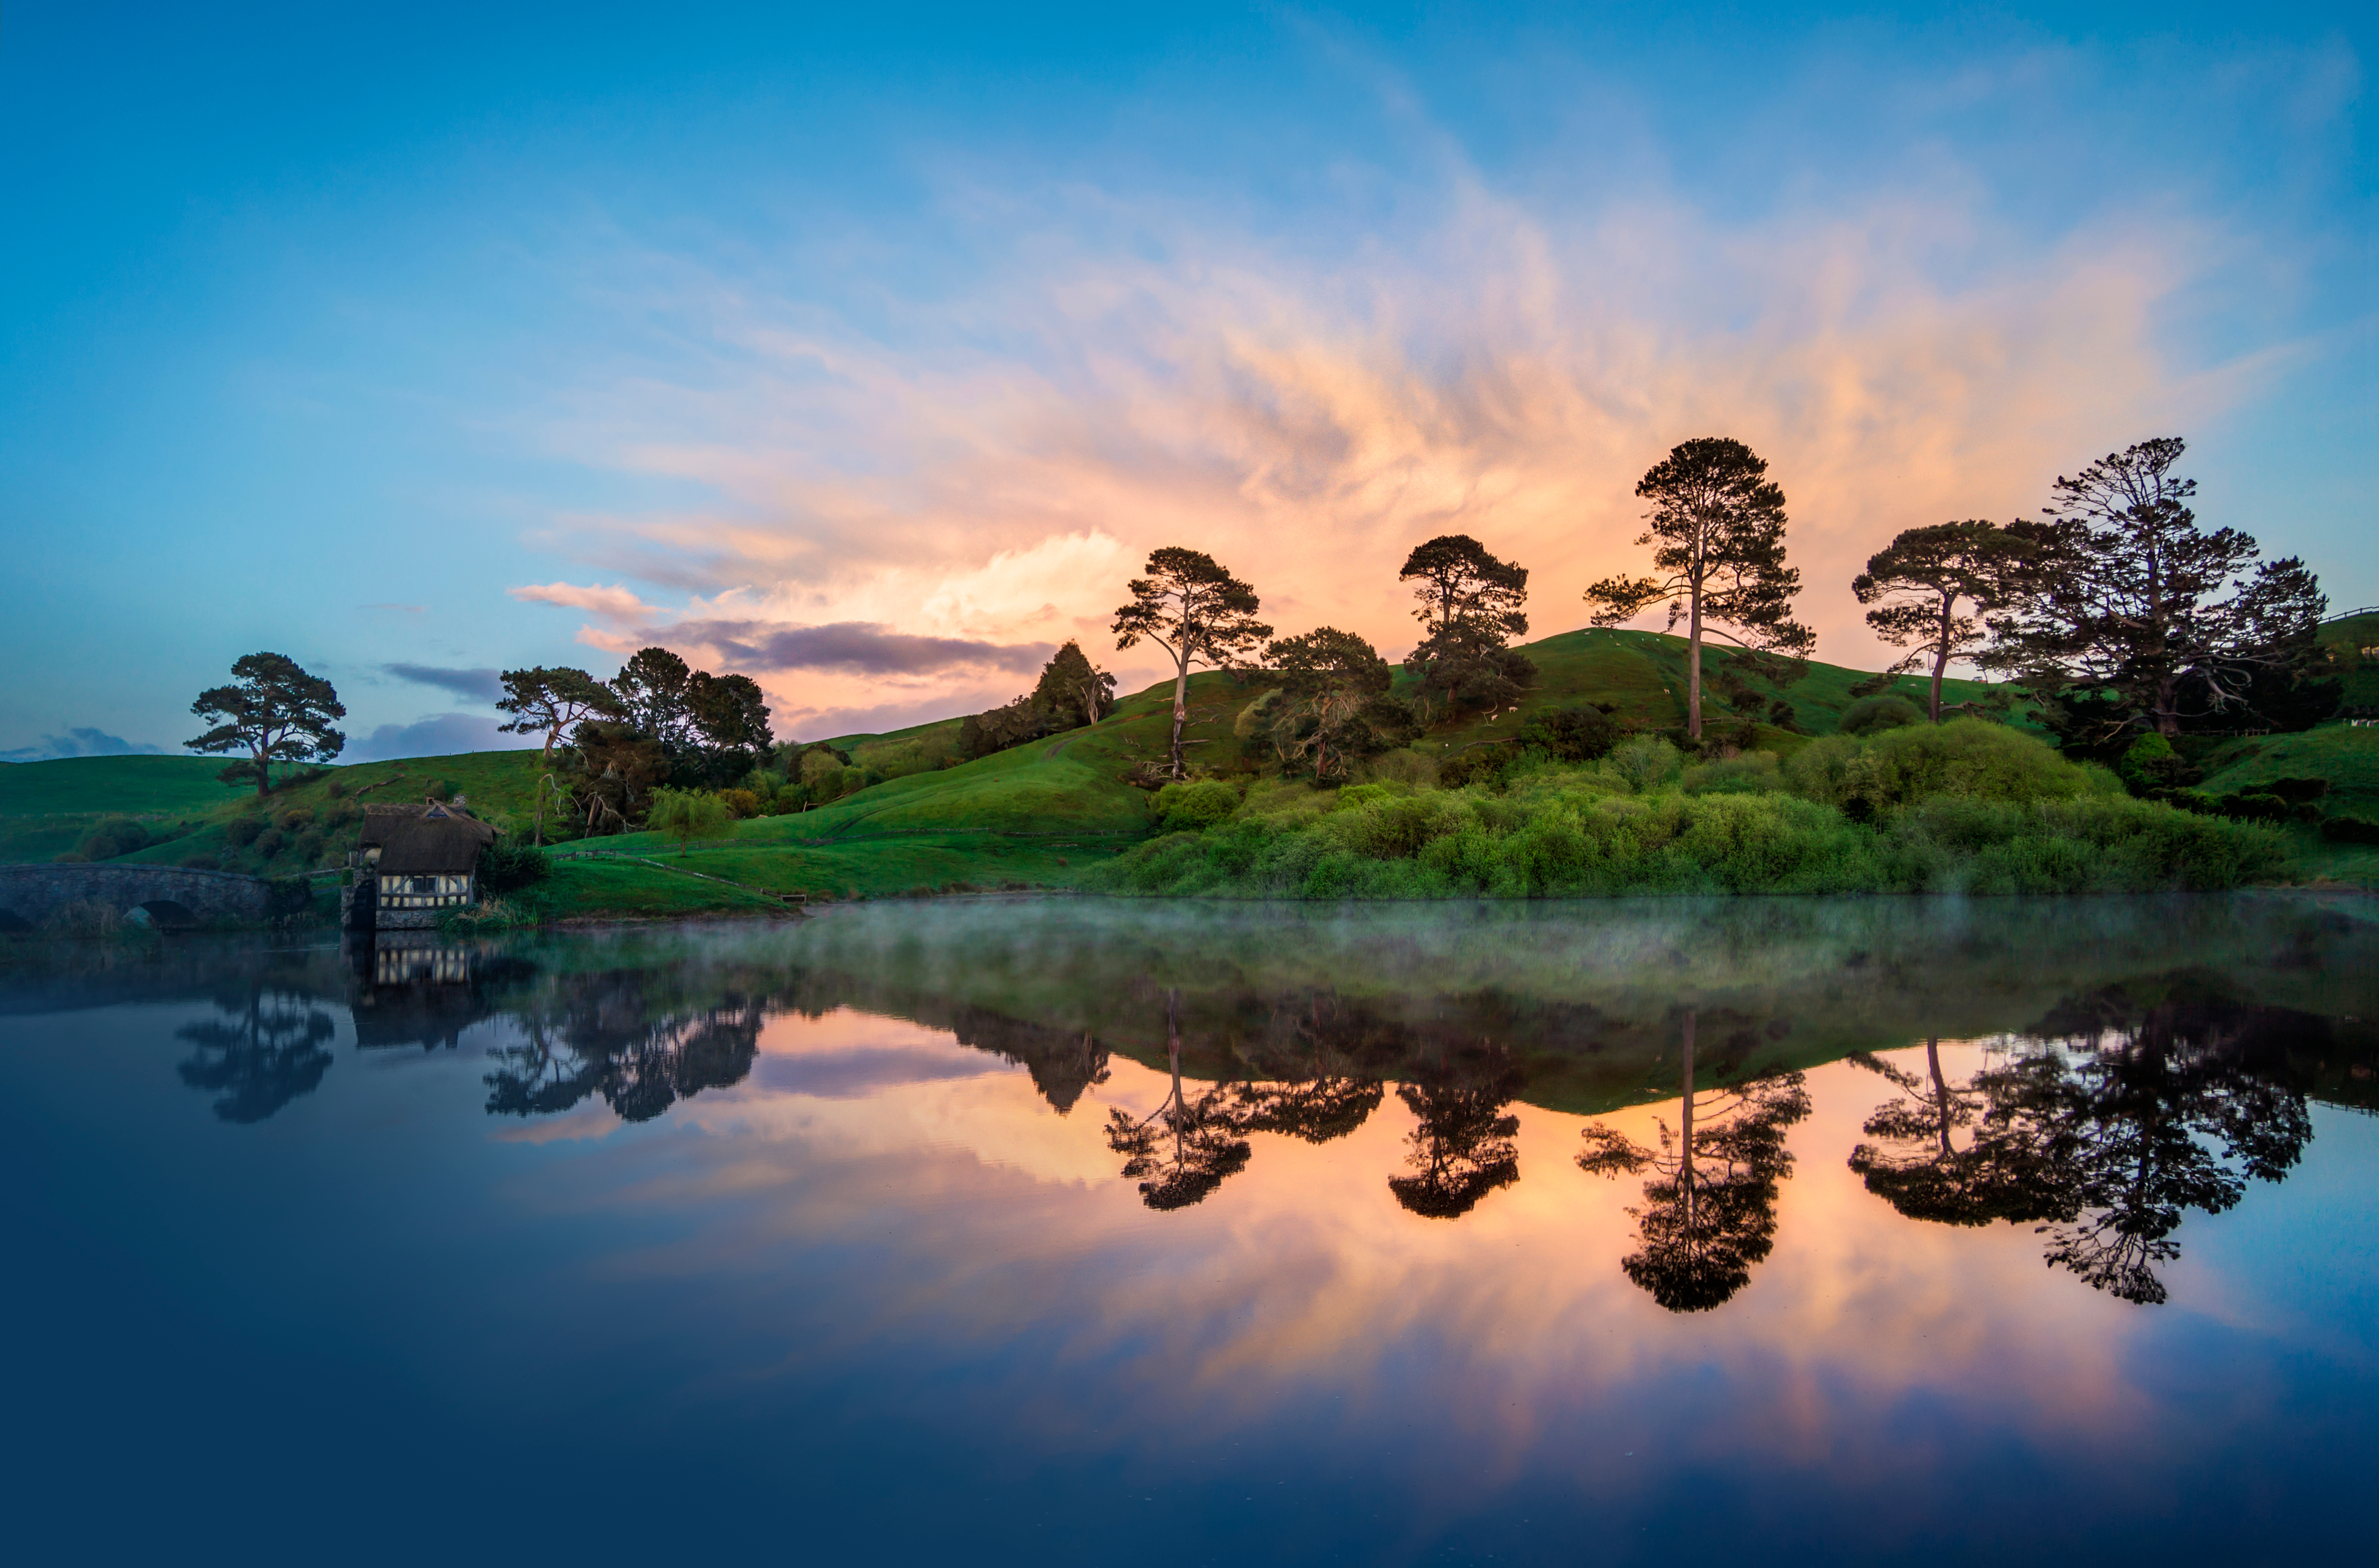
x=852, y=647
x=480, y=685
x=614, y=603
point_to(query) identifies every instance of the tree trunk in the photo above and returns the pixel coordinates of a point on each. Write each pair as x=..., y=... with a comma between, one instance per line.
x=1685, y=1139
x=1693, y=678
x=1940, y=1089
x=1180, y=704
x=1941, y=653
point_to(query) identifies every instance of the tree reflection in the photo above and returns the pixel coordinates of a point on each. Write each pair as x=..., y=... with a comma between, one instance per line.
x=1952, y=1154
x=2130, y=1112
x=1462, y=1150
x=263, y=1053
x=601, y=1040
x=1709, y=1211
x=1319, y=1096
x=1197, y=1147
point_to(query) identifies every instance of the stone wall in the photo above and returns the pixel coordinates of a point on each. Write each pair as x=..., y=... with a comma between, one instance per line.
x=31, y=892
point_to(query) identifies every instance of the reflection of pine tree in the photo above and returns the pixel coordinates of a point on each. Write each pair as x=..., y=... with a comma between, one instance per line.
x=264, y=1052
x=1709, y=1211
x=1462, y=1150
x=2161, y=1114
x=1317, y=1094
x=1951, y=1153
x=603, y=1038
x=1195, y=1150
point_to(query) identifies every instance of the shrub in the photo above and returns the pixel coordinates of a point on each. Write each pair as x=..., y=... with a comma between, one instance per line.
x=1965, y=757
x=688, y=814
x=2349, y=830
x=288, y=898
x=1754, y=773
x=1476, y=765
x=242, y=831
x=1573, y=734
x=2152, y=767
x=1193, y=804
x=269, y=843
x=117, y=835
x=293, y=819
x=1646, y=762
x=1870, y=715
x=508, y=865
x=739, y=803
x=1403, y=765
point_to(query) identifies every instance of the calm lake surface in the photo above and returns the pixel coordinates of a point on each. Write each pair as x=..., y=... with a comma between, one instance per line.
x=1050, y=1231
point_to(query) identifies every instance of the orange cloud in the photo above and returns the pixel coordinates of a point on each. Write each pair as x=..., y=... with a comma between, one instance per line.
x=1508, y=373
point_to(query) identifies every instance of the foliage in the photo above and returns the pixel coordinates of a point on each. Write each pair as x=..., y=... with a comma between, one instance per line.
x=613, y=773
x=1717, y=529
x=549, y=702
x=1917, y=582
x=1331, y=704
x=1584, y=733
x=2349, y=830
x=1073, y=687
x=1888, y=769
x=115, y=836
x=2126, y=616
x=2151, y=768
x=1470, y=610
x=1875, y=713
x=507, y=866
x=1194, y=610
x=1967, y=806
x=688, y=814
x=1193, y=804
x=274, y=711
x=1022, y=720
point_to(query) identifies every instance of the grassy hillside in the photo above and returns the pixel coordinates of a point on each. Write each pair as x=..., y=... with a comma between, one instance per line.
x=85, y=785
x=1036, y=815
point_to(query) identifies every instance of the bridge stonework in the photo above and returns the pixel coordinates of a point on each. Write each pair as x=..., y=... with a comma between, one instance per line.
x=31, y=892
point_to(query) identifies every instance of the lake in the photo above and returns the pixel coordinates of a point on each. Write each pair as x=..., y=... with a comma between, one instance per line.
x=1061, y=1230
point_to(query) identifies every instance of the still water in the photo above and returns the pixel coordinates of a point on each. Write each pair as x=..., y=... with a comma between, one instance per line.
x=1056, y=1231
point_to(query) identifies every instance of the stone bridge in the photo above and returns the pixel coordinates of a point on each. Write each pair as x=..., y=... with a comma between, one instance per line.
x=171, y=894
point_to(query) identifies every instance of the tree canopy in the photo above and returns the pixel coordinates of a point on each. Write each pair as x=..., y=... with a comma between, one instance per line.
x=1917, y=582
x=1718, y=532
x=275, y=712
x=1469, y=609
x=1194, y=610
x=1071, y=685
x=549, y=701
x=2130, y=616
x=1334, y=700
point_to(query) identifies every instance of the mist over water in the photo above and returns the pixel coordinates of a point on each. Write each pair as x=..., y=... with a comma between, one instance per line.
x=1032, y=1229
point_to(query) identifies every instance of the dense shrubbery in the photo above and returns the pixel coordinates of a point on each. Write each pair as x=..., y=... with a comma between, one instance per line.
x=1964, y=807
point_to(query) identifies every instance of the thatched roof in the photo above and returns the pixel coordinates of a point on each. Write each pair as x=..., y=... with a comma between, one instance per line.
x=425, y=840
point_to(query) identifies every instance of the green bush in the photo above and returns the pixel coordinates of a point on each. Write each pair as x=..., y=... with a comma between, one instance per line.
x=1871, y=714
x=2349, y=830
x=117, y=835
x=508, y=865
x=1868, y=776
x=242, y=831
x=1579, y=832
x=1573, y=734
x=1193, y=804
x=2152, y=767
x=1644, y=763
x=1754, y=773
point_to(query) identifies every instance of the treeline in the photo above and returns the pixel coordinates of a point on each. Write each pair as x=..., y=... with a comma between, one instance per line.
x=2120, y=619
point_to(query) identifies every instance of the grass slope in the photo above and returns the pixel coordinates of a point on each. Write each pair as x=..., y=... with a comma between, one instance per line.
x=1035, y=815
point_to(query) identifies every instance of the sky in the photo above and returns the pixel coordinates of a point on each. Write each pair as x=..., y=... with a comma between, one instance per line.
x=868, y=351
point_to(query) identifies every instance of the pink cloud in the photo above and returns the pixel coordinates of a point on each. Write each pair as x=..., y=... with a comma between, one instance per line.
x=613, y=603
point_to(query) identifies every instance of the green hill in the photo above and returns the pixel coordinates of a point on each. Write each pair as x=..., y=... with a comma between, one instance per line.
x=1035, y=815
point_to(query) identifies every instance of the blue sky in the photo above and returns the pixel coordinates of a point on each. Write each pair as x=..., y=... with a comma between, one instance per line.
x=868, y=351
